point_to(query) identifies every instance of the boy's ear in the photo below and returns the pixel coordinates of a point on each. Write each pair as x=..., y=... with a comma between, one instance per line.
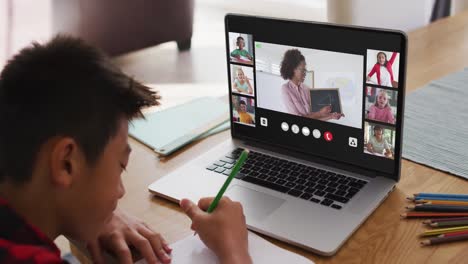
x=64, y=162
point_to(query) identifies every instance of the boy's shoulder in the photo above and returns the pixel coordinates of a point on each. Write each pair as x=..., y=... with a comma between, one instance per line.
x=21, y=242
x=11, y=252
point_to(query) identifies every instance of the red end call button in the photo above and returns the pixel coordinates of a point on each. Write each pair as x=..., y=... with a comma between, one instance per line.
x=328, y=136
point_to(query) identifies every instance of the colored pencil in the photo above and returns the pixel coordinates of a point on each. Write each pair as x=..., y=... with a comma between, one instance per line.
x=228, y=180
x=429, y=214
x=447, y=195
x=438, y=198
x=440, y=240
x=449, y=223
x=453, y=234
x=441, y=202
x=437, y=208
x=234, y=172
x=438, y=220
x=439, y=231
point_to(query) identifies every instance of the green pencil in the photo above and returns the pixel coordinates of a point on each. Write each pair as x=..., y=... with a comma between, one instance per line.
x=234, y=172
x=223, y=189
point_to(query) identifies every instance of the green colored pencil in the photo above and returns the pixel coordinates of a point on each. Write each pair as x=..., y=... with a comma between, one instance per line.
x=234, y=172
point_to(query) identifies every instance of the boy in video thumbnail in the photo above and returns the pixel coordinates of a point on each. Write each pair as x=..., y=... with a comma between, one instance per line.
x=240, y=51
x=243, y=110
x=295, y=93
x=244, y=117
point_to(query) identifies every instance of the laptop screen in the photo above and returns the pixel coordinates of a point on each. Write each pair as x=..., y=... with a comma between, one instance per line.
x=330, y=91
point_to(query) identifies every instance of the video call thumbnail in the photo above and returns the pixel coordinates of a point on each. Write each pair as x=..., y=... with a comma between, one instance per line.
x=382, y=68
x=379, y=140
x=243, y=110
x=381, y=104
x=242, y=79
x=241, y=48
x=317, y=84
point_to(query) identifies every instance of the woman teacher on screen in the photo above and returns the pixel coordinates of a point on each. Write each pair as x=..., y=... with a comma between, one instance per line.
x=296, y=95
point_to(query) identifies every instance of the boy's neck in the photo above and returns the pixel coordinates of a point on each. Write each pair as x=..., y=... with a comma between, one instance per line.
x=33, y=205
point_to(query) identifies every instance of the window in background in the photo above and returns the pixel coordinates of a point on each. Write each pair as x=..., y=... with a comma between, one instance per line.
x=21, y=22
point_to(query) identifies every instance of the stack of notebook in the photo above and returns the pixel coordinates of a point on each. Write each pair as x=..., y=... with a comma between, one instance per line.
x=447, y=213
x=170, y=129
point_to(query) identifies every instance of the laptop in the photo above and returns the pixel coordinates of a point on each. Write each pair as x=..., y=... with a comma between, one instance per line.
x=320, y=108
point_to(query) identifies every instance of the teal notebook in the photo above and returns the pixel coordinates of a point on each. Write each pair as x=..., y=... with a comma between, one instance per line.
x=168, y=130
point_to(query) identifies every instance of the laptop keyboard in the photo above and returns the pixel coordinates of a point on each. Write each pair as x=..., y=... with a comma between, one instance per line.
x=309, y=183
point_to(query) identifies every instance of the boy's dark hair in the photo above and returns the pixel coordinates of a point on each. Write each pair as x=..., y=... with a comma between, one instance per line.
x=291, y=59
x=239, y=38
x=242, y=102
x=63, y=88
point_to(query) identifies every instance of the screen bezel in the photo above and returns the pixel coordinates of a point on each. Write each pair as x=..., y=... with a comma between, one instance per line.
x=236, y=18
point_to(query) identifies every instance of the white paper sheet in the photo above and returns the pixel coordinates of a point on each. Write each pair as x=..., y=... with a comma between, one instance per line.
x=192, y=250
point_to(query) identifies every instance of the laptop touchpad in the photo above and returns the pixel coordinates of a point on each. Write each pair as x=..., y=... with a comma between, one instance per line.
x=257, y=205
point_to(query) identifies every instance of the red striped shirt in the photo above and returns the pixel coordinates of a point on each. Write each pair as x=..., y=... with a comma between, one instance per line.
x=21, y=242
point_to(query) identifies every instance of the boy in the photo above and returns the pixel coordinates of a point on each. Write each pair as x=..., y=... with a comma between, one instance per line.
x=244, y=117
x=240, y=51
x=64, y=110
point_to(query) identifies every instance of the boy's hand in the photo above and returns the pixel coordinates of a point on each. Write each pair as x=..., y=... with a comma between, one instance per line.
x=124, y=230
x=224, y=230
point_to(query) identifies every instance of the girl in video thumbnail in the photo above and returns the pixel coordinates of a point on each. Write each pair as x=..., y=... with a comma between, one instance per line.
x=296, y=95
x=378, y=144
x=381, y=110
x=383, y=69
x=242, y=83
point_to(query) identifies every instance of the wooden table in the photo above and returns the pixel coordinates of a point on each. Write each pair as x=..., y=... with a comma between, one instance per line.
x=434, y=51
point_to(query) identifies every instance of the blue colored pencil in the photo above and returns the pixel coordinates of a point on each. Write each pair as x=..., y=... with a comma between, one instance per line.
x=446, y=195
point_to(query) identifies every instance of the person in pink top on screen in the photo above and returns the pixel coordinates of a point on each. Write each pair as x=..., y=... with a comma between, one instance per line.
x=383, y=69
x=296, y=95
x=381, y=110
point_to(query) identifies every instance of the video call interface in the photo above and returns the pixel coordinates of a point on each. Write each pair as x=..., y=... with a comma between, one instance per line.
x=339, y=105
